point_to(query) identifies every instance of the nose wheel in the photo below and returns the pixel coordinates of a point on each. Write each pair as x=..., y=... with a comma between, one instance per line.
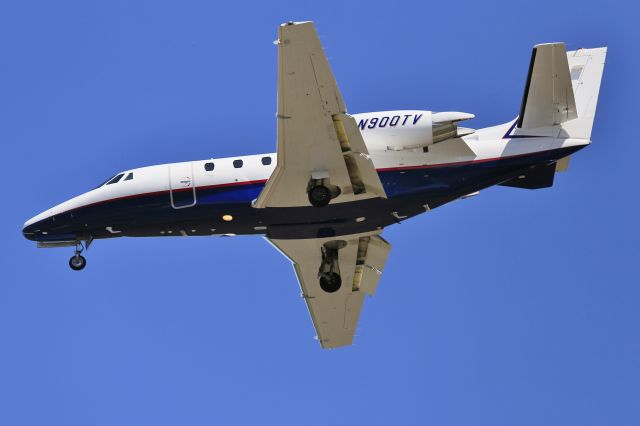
x=77, y=261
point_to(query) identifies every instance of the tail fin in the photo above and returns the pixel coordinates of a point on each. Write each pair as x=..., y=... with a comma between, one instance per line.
x=562, y=89
x=548, y=97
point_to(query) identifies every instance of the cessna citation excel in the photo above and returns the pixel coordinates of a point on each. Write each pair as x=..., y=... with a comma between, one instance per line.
x=338, y=179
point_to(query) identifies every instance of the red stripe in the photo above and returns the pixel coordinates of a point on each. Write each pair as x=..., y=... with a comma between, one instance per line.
x=222, y=185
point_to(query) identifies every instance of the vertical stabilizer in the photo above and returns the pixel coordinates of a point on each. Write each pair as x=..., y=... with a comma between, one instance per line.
x=548, y=97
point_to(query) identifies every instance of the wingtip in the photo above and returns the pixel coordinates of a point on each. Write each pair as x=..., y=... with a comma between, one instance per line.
x=555, y=43
x=289, y=23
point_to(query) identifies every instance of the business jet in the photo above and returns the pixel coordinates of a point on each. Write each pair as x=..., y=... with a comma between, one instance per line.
x=338, y=179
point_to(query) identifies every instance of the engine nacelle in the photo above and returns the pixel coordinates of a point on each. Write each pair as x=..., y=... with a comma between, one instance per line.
x=403, y=130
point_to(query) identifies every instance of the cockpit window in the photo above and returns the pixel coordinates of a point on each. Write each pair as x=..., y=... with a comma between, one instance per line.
x=129, y=176
x=116, y=179
x=105, y=182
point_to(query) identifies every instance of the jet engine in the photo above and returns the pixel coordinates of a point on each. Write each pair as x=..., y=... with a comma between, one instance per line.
x=406, y=130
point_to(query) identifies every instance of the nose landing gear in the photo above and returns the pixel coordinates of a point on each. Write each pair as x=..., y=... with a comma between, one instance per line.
x=77, y=261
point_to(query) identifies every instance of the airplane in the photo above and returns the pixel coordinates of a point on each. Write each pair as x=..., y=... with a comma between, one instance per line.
x=338, y=179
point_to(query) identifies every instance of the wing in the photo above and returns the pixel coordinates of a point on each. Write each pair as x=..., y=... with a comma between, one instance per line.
x=335, y=307
x=317, y=139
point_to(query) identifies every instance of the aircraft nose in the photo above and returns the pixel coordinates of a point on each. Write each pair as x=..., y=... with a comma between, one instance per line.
x=30, y=227
x=37, y=228
x=57, y=223
x=27, y=231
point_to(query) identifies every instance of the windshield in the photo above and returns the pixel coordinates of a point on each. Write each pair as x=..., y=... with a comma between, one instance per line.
x=104, y=182
x=116, y=179
x=112, y=179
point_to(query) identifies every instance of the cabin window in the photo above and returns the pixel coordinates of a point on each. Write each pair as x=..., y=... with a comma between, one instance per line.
x=129, y=176
x=116, y=179
x=266, y=161
x=209, y=166
x=237, y=163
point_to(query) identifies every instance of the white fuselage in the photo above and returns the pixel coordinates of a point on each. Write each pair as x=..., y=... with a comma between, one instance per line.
x=410, y=129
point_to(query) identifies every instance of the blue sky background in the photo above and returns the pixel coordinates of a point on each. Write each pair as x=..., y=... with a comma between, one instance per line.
x=511, y=308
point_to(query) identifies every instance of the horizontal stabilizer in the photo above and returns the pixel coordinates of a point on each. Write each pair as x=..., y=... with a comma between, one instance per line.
x=548, y=97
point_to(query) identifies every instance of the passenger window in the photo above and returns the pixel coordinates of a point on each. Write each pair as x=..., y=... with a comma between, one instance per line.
x=266, y=161
x=209, y=166
x=116, y=179
x=237, y=163
x=129, y=176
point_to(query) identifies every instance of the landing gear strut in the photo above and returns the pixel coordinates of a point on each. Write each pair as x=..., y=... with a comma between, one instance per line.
x=329, y=273
x=77, y=261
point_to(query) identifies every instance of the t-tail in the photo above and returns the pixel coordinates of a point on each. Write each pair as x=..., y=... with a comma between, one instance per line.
x=559, y=102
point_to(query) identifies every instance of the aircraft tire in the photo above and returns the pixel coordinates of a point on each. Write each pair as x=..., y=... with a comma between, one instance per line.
x=330, y=282
x=77, y=262
x=319, y=196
